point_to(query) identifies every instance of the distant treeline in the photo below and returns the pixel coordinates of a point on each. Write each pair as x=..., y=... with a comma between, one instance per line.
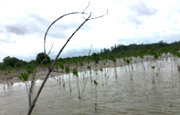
x=117, y=51
x=155, y=49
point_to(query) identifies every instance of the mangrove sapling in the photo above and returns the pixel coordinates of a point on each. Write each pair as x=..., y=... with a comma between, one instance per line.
x=95, y=84
x=4, y=86
x=102, y=76
x=80, y=67
x=125, y=66
x=33, y=72
x=113, y=59
x=107, y=77
x=63, y=81
x=24, y=78
x=96, y=60
x=131, y=64
x=171, y=86
x=153, y=68
x=142, y=58
x=67, y=69
x=128, y=61
x=75, y=73
x=84, y=87
x=7, y=81
x=90, y=72
x=104, y=64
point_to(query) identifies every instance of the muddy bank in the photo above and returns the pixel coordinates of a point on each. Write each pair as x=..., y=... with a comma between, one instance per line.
x=12, y=76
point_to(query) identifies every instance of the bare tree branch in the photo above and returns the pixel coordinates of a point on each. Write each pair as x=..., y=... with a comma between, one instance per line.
x=32, y=105
x=33, y=79
x=45, y=35
x=52, y=66
x=86, y=7
x=50, y=49
x=31, y=88
x=97, y=16
x=100, y=16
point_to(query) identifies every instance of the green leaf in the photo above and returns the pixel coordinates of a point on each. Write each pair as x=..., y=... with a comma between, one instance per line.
x=95, y=83
x=128, y=61
x=24, y=77
x=75, y=72
x=153, y=67
x=88, y=67
x=67, y=69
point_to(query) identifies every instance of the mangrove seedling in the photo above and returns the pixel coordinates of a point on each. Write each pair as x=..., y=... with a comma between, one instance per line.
x=95, y=84
x=113, y=59
x=153, y=68
x=102, y=76
x=67, y=69
x=24, y=78
x=90, y=72
x=128, y=61
x=96, y=59
x=75, y=73
x=142, y=57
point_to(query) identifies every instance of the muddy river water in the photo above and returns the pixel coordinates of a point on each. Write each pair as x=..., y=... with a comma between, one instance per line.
x=136, y=91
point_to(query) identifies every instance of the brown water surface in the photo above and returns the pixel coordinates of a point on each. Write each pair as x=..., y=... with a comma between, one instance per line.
x=115, y=96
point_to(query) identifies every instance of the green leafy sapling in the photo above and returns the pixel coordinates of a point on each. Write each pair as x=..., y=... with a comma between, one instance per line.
x=24, y=78
x=75, y=73
x=153, y=68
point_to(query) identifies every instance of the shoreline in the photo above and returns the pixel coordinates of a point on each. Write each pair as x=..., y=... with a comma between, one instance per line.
x=12, y=77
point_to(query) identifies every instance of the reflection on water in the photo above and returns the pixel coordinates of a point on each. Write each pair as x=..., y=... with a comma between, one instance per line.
x=121, y=96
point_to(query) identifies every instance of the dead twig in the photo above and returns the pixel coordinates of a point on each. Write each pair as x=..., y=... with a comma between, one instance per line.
x=32, y=105
x=45, y=35
x=52, y=66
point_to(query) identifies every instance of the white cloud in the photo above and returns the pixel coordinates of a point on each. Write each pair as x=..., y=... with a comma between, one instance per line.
x=23, y=23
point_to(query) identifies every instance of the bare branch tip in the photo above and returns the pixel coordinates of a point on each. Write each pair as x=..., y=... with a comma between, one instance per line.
x=86, y=7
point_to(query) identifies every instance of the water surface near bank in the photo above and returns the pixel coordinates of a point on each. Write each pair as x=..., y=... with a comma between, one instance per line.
x=132, y=92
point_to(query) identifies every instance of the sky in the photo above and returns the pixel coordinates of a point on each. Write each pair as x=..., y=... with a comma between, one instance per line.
x=24, y=22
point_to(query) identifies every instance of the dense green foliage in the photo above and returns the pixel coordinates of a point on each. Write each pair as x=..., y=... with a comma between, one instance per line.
x=155, y=49
x=42, y=58
x=117, y=51
x=12, y=62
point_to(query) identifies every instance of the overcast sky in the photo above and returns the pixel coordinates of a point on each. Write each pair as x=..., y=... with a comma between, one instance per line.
x=24, y=22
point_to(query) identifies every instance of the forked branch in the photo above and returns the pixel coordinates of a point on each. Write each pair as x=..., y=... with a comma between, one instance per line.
x=52, y=66
x=45, y=35
x=60, y=51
